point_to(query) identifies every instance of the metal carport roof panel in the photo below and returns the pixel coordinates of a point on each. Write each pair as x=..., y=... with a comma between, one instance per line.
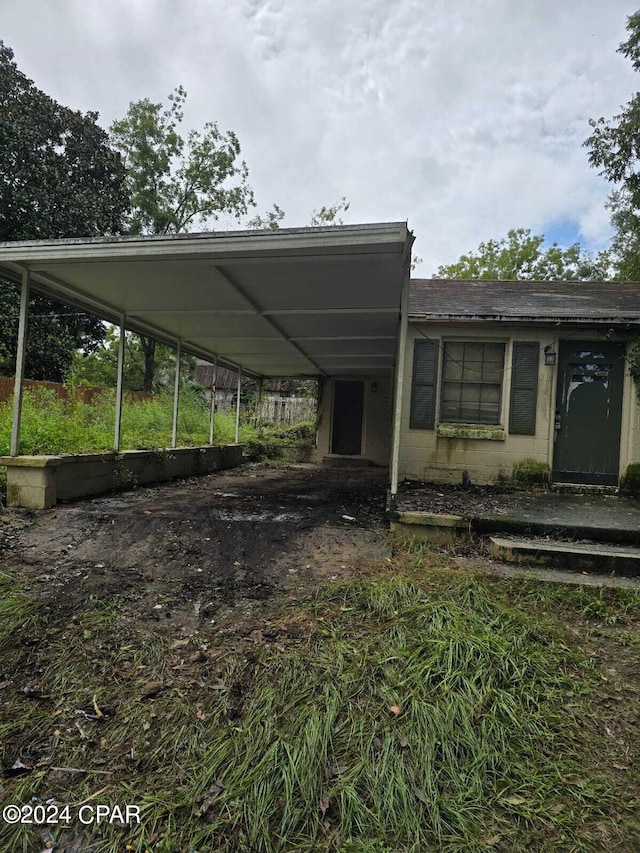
x=291, y=302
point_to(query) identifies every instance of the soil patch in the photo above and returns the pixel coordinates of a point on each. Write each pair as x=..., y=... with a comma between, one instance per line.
x=208, y=548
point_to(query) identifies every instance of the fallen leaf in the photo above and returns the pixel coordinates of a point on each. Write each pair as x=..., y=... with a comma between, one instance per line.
x=514, y=800
x=403, y=742
x=179, y=644
x=394, y=709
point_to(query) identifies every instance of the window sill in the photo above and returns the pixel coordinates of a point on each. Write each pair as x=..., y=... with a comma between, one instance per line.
x=477, y=431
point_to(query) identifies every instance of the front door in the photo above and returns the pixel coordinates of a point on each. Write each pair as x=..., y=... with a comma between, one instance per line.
x=588, y=413
x=348, y=399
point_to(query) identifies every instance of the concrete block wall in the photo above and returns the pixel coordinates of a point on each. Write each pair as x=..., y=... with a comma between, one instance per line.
x=425, y=455
x=41, y=481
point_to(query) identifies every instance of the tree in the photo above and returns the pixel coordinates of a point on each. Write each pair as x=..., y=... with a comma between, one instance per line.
x=176, y=182
x=100, y=367
x=58, y=178
x=521, y=256
x=614, y=149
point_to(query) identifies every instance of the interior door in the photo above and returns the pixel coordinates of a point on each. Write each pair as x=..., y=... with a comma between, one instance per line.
x=348, y=403
x=588, y=412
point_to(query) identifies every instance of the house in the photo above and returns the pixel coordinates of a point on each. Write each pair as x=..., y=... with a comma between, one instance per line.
x=499, y=372
x=440, y=380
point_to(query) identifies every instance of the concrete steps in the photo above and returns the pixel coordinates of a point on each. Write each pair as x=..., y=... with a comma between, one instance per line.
x=593, y=557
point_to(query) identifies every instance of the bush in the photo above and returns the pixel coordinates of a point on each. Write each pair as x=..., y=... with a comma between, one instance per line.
x=631, y=481
x=530, y=472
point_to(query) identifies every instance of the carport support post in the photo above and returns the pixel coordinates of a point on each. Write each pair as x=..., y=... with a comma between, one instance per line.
x=19, y=376
x=214, y=379
x=400, y=359
x=119, y=383
x=259, y=411
x=176, y=394
x=238, y=405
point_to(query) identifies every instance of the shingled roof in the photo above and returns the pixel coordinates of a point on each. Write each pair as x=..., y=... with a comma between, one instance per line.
x=611, y=302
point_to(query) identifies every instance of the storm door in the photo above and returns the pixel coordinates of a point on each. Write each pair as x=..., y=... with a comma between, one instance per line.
x=348, y=400
x=588, y=413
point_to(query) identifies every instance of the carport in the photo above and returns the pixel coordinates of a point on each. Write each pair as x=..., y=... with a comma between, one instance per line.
x=326, y=302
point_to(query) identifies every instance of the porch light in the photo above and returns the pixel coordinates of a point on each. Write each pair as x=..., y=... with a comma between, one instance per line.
x=374, y=387
x=549, y=355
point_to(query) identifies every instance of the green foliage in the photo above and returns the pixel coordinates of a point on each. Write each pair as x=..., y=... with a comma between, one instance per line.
x=631, y=479
x=175, y=182
x=633, y=360
x=520, y=256
x=325, y=215
x=530, y=472
x=100, y=367
x=58, y=178
x=330, y=215
x=54, y=333
x=58, y=175
x=53, y=426
x=436, y=713
x=270, y=221
x=614, y=149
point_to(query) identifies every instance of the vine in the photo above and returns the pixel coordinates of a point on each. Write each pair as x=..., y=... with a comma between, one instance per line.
x=633, y=359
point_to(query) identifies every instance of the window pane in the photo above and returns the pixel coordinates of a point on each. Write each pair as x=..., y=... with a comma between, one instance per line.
x=472, y=382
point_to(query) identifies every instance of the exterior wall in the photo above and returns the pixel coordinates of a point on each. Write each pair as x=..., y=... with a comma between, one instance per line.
x=376, y=432
x=427, y=455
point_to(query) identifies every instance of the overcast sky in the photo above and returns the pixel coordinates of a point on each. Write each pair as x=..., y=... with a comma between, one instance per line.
x=464, y=117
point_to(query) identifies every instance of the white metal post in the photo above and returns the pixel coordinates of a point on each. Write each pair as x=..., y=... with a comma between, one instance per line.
x=20, y=354
x=176, y=393
x=259, y=412
x=238, y=406
x=214, y=379
x=399, y=376
x=119, y=384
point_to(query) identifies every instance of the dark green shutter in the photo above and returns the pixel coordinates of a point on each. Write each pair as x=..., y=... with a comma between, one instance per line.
x=524, y=388
x=423, y=384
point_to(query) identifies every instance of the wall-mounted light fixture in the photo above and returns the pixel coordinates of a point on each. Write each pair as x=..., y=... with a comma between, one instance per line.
x=549, y=355
x=374, y=387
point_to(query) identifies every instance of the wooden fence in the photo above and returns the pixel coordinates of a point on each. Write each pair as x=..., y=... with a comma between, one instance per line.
x=84, y=394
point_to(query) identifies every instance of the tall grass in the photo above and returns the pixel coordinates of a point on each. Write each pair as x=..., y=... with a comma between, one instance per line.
x=53, y=426
x=416, y=715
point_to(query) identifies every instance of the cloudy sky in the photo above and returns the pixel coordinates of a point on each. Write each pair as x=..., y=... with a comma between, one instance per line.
x=464, y=117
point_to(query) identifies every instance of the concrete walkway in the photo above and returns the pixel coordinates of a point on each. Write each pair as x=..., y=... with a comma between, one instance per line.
x=585, y=515
x=604, y=518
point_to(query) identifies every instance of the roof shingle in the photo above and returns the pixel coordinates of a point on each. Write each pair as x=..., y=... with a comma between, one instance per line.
x=532, y=301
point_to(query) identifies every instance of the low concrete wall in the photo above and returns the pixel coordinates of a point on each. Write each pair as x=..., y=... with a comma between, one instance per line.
x=38, y=482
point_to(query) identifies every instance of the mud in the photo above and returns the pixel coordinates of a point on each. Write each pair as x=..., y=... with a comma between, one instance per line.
x=212, y=549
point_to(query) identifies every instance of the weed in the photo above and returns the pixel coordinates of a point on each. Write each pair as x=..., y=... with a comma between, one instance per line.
x=423, y=710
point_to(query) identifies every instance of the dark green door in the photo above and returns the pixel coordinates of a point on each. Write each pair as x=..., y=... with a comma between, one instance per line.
x=348, y=400
x=588, y=413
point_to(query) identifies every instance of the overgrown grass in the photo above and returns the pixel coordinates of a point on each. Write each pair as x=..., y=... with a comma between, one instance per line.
x=424, y=710
x=53, y=426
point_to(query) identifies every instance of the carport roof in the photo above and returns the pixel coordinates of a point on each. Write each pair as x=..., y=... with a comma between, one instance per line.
x=304, y=301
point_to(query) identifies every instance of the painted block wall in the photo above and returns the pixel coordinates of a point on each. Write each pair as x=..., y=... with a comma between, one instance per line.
x=426, y=456
x=376, y=443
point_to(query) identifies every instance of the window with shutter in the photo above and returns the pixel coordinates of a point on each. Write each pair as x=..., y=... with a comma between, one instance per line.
x=423, y=384
x=524, y=387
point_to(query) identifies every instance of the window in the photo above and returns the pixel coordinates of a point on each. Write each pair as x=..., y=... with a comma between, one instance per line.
x=471, y=382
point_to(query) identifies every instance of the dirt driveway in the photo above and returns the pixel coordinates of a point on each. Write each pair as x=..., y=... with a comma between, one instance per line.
x=212, y=550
